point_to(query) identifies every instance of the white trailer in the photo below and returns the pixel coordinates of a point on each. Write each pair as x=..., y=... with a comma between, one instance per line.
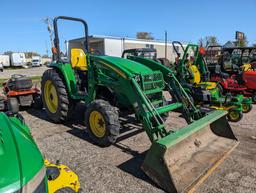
x=5, y=60
x=18, y=59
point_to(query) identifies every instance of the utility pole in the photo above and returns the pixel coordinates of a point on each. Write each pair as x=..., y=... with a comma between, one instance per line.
x=46, y=46
x=165, y=34
x=48, y=22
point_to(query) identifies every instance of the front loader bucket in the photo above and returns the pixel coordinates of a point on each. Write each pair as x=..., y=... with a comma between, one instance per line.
x=181, y=161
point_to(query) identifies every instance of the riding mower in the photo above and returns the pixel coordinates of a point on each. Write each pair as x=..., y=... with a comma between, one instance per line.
x=21, y=163
x=236, y=73
x=20, y=90
x=178, y=159
x=201, y=91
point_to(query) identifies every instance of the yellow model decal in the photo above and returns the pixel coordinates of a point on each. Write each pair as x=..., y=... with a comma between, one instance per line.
x=116, y=70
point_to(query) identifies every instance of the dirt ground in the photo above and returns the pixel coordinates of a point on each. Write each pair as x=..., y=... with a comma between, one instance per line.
x=117, y=168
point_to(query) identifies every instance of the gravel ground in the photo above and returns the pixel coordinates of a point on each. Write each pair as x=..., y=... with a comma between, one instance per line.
x=117, y=168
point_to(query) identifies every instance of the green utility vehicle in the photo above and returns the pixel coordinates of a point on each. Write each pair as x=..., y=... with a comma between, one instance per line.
x=178, y=158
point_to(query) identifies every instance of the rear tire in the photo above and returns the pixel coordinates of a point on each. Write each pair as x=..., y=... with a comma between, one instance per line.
x=246, y=108
x=55, y=96
x=102, y=122
x=234, y=116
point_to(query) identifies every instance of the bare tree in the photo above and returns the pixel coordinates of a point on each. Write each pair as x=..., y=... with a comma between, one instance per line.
x=31, y=54
x=8, y=52
x=144, y=35
x=208, y=41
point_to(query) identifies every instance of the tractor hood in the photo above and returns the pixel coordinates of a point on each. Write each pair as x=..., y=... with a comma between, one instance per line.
x=128, y=66
x=20, y=159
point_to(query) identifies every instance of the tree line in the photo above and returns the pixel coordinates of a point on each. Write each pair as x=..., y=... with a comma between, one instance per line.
x=204, y=42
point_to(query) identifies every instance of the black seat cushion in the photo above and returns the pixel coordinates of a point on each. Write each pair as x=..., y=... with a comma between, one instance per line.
x=20, y=83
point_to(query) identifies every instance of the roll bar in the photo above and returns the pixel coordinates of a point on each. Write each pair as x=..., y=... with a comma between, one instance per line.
x=56, y=33
x=175, y=49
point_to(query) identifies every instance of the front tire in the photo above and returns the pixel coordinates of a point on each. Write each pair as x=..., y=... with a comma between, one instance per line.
x=246, y=107
x=102, y=122
x=234, y=116
x=55, y=96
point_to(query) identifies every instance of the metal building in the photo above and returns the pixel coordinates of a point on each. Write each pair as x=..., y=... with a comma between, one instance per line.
x=114, y=46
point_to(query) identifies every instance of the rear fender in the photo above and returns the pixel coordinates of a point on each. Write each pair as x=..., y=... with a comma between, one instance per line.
x=67, y=73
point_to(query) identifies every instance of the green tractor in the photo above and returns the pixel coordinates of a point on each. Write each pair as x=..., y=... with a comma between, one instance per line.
x=177, y=158
x=191, y=71
x=22, y=166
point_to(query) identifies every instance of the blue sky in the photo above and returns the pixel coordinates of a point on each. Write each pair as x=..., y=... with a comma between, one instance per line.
x=22, y=28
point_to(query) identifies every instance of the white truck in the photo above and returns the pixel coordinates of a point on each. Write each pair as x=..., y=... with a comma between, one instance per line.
x=36, y=61
x=4, y=61
x=18, y=59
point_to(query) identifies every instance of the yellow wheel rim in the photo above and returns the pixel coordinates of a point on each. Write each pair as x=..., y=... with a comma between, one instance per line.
x=234, y=115
x=245, y=107
x=51, y=96
x=97, y=124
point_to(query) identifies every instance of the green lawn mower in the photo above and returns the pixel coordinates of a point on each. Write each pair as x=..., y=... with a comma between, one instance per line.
x=177, y=158
x=22, y=166
x=201, y=91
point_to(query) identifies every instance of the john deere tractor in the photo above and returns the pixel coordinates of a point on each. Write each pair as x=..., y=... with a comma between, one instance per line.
x=22, y=166
x=177, y=158
x=193, y=75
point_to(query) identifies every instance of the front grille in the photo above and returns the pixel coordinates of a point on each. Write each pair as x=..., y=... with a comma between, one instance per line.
x=150, y=77
x=152, y=81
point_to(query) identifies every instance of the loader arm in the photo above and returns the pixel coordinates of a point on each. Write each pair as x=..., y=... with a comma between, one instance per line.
x=122, y=82
x=182, y=159
x=174, y=87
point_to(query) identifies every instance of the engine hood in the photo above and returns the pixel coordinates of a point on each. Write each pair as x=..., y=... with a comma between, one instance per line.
x=126, y=65
x=20, y=158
